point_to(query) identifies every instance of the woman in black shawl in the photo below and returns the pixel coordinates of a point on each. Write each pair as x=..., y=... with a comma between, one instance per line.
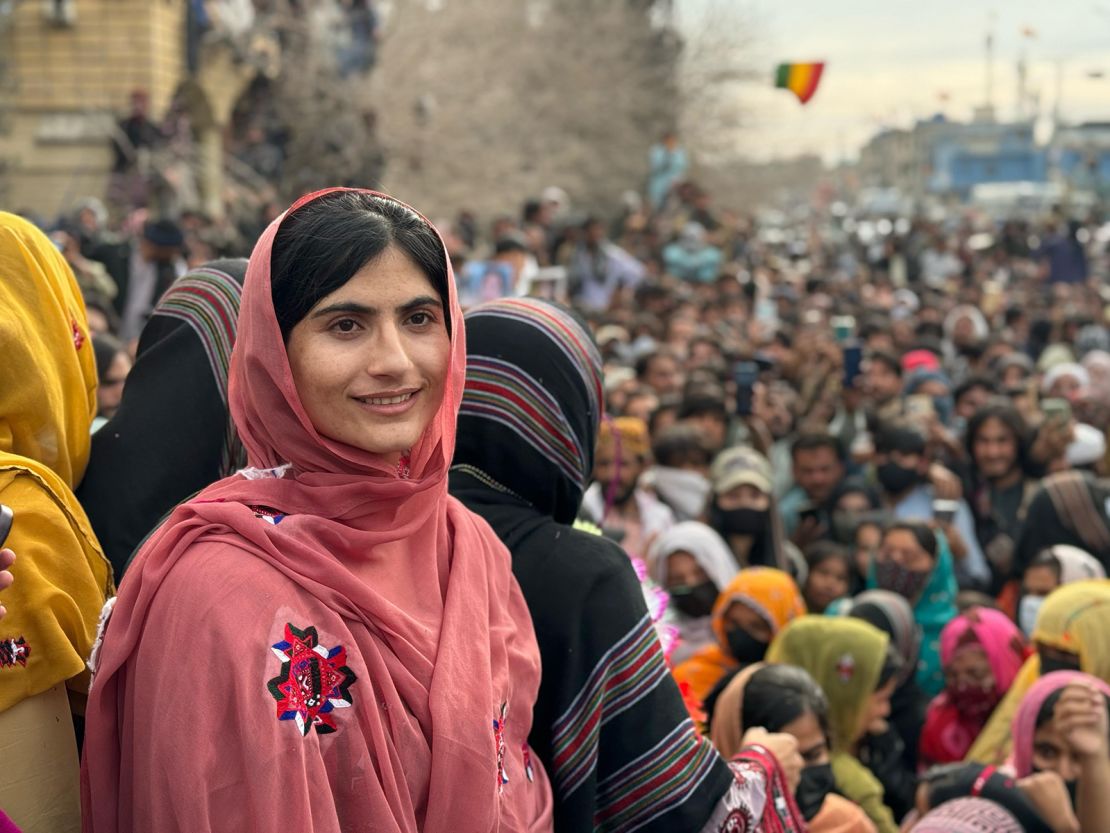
x=609, y=723
x=171, y=435
x=1071, y=507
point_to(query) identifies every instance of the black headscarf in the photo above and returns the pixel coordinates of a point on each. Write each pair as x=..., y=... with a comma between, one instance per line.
x=172, y=434
x=608, y=710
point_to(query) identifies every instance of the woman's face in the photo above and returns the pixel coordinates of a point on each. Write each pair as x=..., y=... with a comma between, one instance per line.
x=868, y=538
x=683, y=570
x=739, y=615
x=812, y=743
x=109, y=390
x=969, y=668
x=370, y=360
x=1039, y=580
x=1051, y=753
x=827, y=582
x=877, y=709
x=901, y=546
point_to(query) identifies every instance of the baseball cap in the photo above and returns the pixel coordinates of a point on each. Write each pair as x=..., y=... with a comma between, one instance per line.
x=739, y=466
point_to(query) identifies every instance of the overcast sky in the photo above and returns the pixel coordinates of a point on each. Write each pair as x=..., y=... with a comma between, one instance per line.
x=887, y=64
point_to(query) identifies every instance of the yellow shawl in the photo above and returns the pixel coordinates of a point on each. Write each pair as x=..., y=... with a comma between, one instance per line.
x=47, y=402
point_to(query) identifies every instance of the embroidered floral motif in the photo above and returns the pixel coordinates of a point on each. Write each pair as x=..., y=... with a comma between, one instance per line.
x=738, y=821
x=529, y=773
x=499, y=737
x=14, y=651
x=314, y=681
x=78, y=336
x=270, y=516
x=846, y=668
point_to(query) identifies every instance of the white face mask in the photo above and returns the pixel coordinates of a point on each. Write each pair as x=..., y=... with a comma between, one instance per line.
x=684, y=491
x=1028, y=610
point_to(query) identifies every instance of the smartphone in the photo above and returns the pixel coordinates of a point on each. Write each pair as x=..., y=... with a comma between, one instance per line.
x=746, y=374
x=1056, y=409
x=920, y=405
x=844, y=327
x=944, y=511
x=6, y=518
x=810, y=513
x=853, y=363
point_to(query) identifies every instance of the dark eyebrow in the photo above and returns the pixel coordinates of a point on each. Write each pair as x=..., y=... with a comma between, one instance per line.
x=362, y=309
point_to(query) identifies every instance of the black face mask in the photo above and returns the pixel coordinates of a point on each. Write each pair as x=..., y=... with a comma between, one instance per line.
x=1058, y=663
x=695, y=600
x=896, y=479
x=817, y=782
x=742, y=521
x=744, y=647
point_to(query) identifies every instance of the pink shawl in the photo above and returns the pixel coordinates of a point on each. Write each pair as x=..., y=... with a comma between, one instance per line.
x=1025, y=721
x=1000, y=638
x=331, y=646
x=948, y=734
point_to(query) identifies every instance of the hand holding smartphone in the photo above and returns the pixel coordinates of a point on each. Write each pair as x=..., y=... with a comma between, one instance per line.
x=6, y=518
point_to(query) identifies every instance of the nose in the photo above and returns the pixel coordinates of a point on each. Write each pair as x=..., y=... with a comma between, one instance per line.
x=389, y=354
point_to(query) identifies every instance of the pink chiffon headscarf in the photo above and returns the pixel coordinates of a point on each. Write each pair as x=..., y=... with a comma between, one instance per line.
x=999, y=637
x=1025, y=721
x=320, y=643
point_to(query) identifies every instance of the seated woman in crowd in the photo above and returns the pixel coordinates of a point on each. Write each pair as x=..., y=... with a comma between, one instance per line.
x=829, y=575
x=1052, y=568
x=889, y=749
x=981, y=652
x=1036, y=803
x=1070, y=634
x=742, y=510
x=1069, y=508
x=755, y=606
x=915, y=563
x=855, y=667
x=1062, y=726
x=693, y=564
x=784, y=698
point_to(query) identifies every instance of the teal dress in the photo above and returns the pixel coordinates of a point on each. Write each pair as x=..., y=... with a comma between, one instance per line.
x=935, y=609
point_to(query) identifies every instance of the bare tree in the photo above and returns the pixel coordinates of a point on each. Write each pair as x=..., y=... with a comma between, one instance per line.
x=485, y=102
x=719, y=59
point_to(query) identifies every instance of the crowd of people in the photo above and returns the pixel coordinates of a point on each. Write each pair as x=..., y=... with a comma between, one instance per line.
x=700, y=523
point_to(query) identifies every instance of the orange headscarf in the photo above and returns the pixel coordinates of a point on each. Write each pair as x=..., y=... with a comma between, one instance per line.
x=769, y=592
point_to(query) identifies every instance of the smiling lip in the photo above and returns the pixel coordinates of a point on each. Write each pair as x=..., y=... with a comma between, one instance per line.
x=389, y=403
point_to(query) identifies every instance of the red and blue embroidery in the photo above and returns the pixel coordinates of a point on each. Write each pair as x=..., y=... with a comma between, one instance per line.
x=78, y=336
x=529, y=773
x=314, y=681
x=270, y=516
x=499, y=736
x=14, y=651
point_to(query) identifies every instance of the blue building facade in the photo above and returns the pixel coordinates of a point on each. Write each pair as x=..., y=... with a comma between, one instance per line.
x=958, y=156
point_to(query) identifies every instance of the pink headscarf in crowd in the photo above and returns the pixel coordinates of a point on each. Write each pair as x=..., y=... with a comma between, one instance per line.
x=996, y=634
x=338, y=577
x=1025, y=721
x=949, y=733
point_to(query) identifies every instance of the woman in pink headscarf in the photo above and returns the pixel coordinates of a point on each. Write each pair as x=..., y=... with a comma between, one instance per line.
x=1063, y=727
x=325, y=641
x=981, y=651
